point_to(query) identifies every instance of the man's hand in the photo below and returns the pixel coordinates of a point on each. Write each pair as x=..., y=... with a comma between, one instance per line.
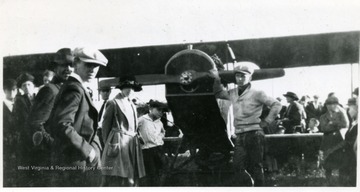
x=285, y=119
x=92, y=155
x=37, y=138
x=233, y=136
x=213, y=73
x=264, y=124
x=321, y=157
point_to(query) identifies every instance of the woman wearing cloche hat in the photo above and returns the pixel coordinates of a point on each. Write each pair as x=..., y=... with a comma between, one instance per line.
x=122, y=150
x=331, y=123
x=21, y=112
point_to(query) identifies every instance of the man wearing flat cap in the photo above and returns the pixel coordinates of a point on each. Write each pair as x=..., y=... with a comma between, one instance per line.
x=292, y=117
x=247, y=108
x=40, y=113
x=75, y=122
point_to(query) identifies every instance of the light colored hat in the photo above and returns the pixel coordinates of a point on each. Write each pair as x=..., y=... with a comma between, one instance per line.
x=245, y=67
x=90, y=55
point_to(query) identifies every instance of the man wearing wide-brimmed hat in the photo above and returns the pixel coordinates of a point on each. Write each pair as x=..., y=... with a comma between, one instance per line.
x=122, y=149
x=247, y=108
x=75, y=121
x=292, y=117
x=40, y=113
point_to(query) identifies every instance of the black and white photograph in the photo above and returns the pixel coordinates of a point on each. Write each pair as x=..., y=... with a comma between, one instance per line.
x=193, y=93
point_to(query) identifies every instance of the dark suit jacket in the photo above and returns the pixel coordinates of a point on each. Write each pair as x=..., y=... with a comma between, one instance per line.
x=8, y=122
x=74, y=124
x=311, y=112
x=9, y=134
x=42, y=106
x=351, y=135
x=293, y=113
x=21, y=112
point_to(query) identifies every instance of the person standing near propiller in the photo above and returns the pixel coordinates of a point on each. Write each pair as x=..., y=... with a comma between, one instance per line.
x=152, y=131
x=75, y=121
x=122, y=159
x=40, y=113
x=247, y=108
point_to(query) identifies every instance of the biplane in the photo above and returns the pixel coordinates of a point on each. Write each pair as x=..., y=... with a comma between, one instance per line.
x=183, y=68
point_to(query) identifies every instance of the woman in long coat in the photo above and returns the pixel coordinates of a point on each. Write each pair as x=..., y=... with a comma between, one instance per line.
x=331, y=123
x=122, y=160
x=21, y=112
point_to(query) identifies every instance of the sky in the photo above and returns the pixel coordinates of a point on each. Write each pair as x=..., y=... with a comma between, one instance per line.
x=42, y=26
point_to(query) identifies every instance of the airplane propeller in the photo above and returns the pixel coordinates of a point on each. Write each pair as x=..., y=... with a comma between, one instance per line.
x=190, y=76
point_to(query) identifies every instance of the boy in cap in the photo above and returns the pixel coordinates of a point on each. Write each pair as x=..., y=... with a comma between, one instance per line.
x=75, y=122
x=40, y=113
x=247, y=108
x=152, y=131
x=313, y=126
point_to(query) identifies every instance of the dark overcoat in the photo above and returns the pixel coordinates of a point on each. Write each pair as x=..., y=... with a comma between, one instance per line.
x=74, y=125
x=330, y=125
x=293, y=114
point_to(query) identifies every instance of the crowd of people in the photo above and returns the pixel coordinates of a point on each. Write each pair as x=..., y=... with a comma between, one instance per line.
x=58, y=137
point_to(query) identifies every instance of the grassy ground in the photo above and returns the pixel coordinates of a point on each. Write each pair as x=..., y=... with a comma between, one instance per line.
x=292, y=173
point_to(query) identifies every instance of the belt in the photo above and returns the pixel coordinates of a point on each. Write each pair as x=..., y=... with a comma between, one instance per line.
x=130, y=133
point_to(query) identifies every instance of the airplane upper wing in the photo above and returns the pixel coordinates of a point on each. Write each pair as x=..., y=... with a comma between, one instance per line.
x=279, y=52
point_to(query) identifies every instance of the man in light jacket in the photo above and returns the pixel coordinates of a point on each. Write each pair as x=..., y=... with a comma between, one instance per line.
x=247, y=108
